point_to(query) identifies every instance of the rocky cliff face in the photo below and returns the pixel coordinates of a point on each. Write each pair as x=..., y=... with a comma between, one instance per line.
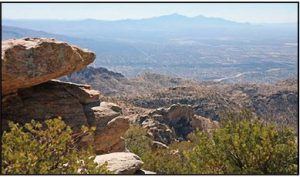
x=28, y=91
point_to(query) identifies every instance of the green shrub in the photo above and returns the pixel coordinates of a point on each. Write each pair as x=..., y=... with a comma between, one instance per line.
x=169, y=161
x=246, y=147
x=46, y=149
x=137, y=141
x=255, y=148
x=241, y=146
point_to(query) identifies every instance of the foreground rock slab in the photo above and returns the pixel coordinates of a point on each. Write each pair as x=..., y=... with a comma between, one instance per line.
x=30, y=61
x=121, y=162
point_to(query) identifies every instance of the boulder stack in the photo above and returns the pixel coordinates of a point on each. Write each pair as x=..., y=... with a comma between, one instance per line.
x=29, y=66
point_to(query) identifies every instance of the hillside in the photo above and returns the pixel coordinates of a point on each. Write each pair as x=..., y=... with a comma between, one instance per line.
x=209, y=99
x=115, y=84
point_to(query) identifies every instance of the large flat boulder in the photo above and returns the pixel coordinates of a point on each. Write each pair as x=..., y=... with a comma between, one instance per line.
x=30, y=61
x=121, y=162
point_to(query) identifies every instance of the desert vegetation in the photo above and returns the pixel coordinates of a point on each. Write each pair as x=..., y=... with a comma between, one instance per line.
x=242, y=145
x=47, y=148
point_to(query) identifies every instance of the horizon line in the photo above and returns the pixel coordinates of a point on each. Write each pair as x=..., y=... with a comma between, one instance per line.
x=145, y=18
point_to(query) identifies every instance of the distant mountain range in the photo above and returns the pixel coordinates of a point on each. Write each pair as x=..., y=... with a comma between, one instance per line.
x=200, y=48
x=156, y=28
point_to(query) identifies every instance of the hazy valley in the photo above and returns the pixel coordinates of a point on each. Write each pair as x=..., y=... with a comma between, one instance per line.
x=198, y=48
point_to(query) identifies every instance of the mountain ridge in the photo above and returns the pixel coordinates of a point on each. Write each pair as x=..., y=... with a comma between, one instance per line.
x=171, y=15
x=168, y=16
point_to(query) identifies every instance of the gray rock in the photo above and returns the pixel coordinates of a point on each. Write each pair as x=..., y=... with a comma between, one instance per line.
x=121, y=162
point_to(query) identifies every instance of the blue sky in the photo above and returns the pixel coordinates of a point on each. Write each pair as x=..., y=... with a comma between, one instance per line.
x=240, y=12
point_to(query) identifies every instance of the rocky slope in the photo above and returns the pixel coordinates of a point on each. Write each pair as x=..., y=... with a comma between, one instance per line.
x=273, y=102
x=108, y=82
x=174, y=123
x=276, y=103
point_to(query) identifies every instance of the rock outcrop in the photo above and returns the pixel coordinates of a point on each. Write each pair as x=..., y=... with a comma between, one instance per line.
x=110, y=126
x=121, y=162
x=166, y=125
x=30, y=61
x=29, y=92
